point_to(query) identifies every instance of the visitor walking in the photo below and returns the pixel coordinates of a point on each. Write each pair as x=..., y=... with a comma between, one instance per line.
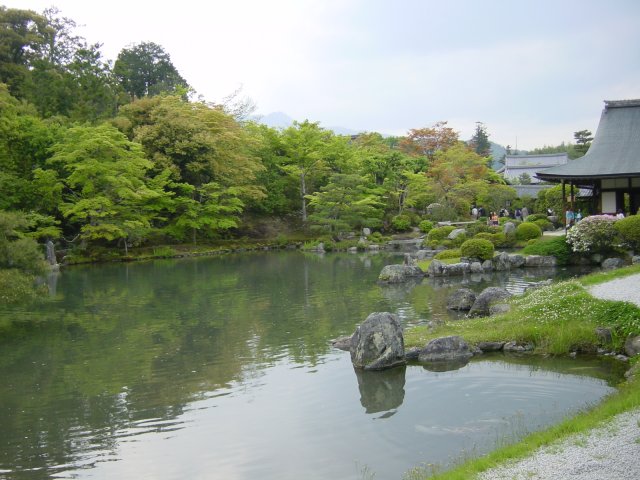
x=569, y=217
x=525, y=213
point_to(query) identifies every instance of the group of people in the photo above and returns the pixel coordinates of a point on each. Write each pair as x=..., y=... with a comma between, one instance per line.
x=492, y=218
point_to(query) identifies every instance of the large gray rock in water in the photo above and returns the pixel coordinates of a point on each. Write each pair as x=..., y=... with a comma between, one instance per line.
x=461, y=299
x=445, y=349
x=486, y=298
x=490, y=346
x=378, y=343
x=436, y=268
x=516, y=261
x=439, y=269
x=476, y=267
x=399, y=273
x=632, y=346
x=501, y=261
x=612, y=263
x=539, y=261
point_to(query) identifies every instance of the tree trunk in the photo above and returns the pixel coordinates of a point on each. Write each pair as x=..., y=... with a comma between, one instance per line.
x=303, y=190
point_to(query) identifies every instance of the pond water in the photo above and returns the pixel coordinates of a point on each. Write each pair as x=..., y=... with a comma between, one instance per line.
x=221, y=367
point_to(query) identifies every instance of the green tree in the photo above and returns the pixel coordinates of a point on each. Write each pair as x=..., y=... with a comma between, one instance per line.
x=146, y=69
x=22, y=36
x=208, y=208
x=480, y=140
x=344, y=204
x=302, y=145
x=107, y=191
x=430, y=140
x=583, y=141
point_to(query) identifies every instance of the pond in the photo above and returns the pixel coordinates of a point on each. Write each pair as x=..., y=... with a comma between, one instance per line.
x=222, y=367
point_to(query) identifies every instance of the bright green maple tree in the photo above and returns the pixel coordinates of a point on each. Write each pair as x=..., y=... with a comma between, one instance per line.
x=106, y=189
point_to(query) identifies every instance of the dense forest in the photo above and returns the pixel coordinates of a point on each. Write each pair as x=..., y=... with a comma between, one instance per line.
x=102, y=154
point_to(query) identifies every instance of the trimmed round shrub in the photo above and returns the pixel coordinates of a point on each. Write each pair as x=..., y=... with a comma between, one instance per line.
x=556, y=246
x=401, y=223
x=477, y=248
x=453, y=253
x=629, y=230
x=438, y=234
x=479, y=227
x=485, y=236
x=536, y=216
x=544, y=224
x=594, y=234
x=503, y=241
x=376, y=237
x=527, y=231
x=425, y=226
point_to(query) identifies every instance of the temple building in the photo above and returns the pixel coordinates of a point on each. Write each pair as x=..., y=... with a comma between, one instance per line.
x=515, y=166
x=611, y=167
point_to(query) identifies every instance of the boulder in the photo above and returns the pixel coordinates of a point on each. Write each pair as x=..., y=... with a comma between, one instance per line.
x=409, y=260
x=399, y=273
x=604, y=335
x=439, y=269
x=456, y=233
x=445, y=349
x=476, y=267
x=490, y=346
x=352, y=249
x=422, y=254
x=342, y=343
x=515, y=347
x=635, y=259
x=509, y=229
x=461, y=299
x=378, y=343
x=516, y=261
x=366, y=231
x=456, y=269
x=499, y=308
x=540, y=261
x=487, y=265
x=501, y=262
x=612, y=263
x=632, y=346
x=486, y=298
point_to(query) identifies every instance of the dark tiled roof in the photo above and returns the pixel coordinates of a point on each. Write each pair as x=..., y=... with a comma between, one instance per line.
x=615, y=151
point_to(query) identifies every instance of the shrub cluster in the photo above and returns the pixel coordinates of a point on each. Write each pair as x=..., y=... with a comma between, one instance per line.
x=401, y=223
x=629, y=230
x=536, y=216
x=593, y=234
x=556, y=246
x=544, y=224
x=453, y=253
x=477, y=248
x=425, y=226
x=438, y=234
x=527, y=231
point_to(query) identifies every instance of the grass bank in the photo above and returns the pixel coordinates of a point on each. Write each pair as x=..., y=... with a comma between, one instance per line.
x=557, y=319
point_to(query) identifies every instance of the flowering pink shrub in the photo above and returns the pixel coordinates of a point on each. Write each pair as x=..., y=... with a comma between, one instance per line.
x=593, y=234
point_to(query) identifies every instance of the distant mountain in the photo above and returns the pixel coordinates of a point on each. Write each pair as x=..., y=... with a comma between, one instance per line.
x=282, y=120
x=275, y=120
x=497, y=152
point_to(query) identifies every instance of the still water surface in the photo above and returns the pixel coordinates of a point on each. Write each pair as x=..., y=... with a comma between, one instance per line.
x=221, y=368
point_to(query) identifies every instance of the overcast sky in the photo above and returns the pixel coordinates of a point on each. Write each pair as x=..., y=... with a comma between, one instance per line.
x=533, y=71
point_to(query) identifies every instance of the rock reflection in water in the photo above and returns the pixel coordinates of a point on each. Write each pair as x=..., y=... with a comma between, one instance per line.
x=445, y=366
x=381, y=391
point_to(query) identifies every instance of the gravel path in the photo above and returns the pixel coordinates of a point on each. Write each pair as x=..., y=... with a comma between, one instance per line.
x=610, y=452
x=626, y=289
x=607, y=453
